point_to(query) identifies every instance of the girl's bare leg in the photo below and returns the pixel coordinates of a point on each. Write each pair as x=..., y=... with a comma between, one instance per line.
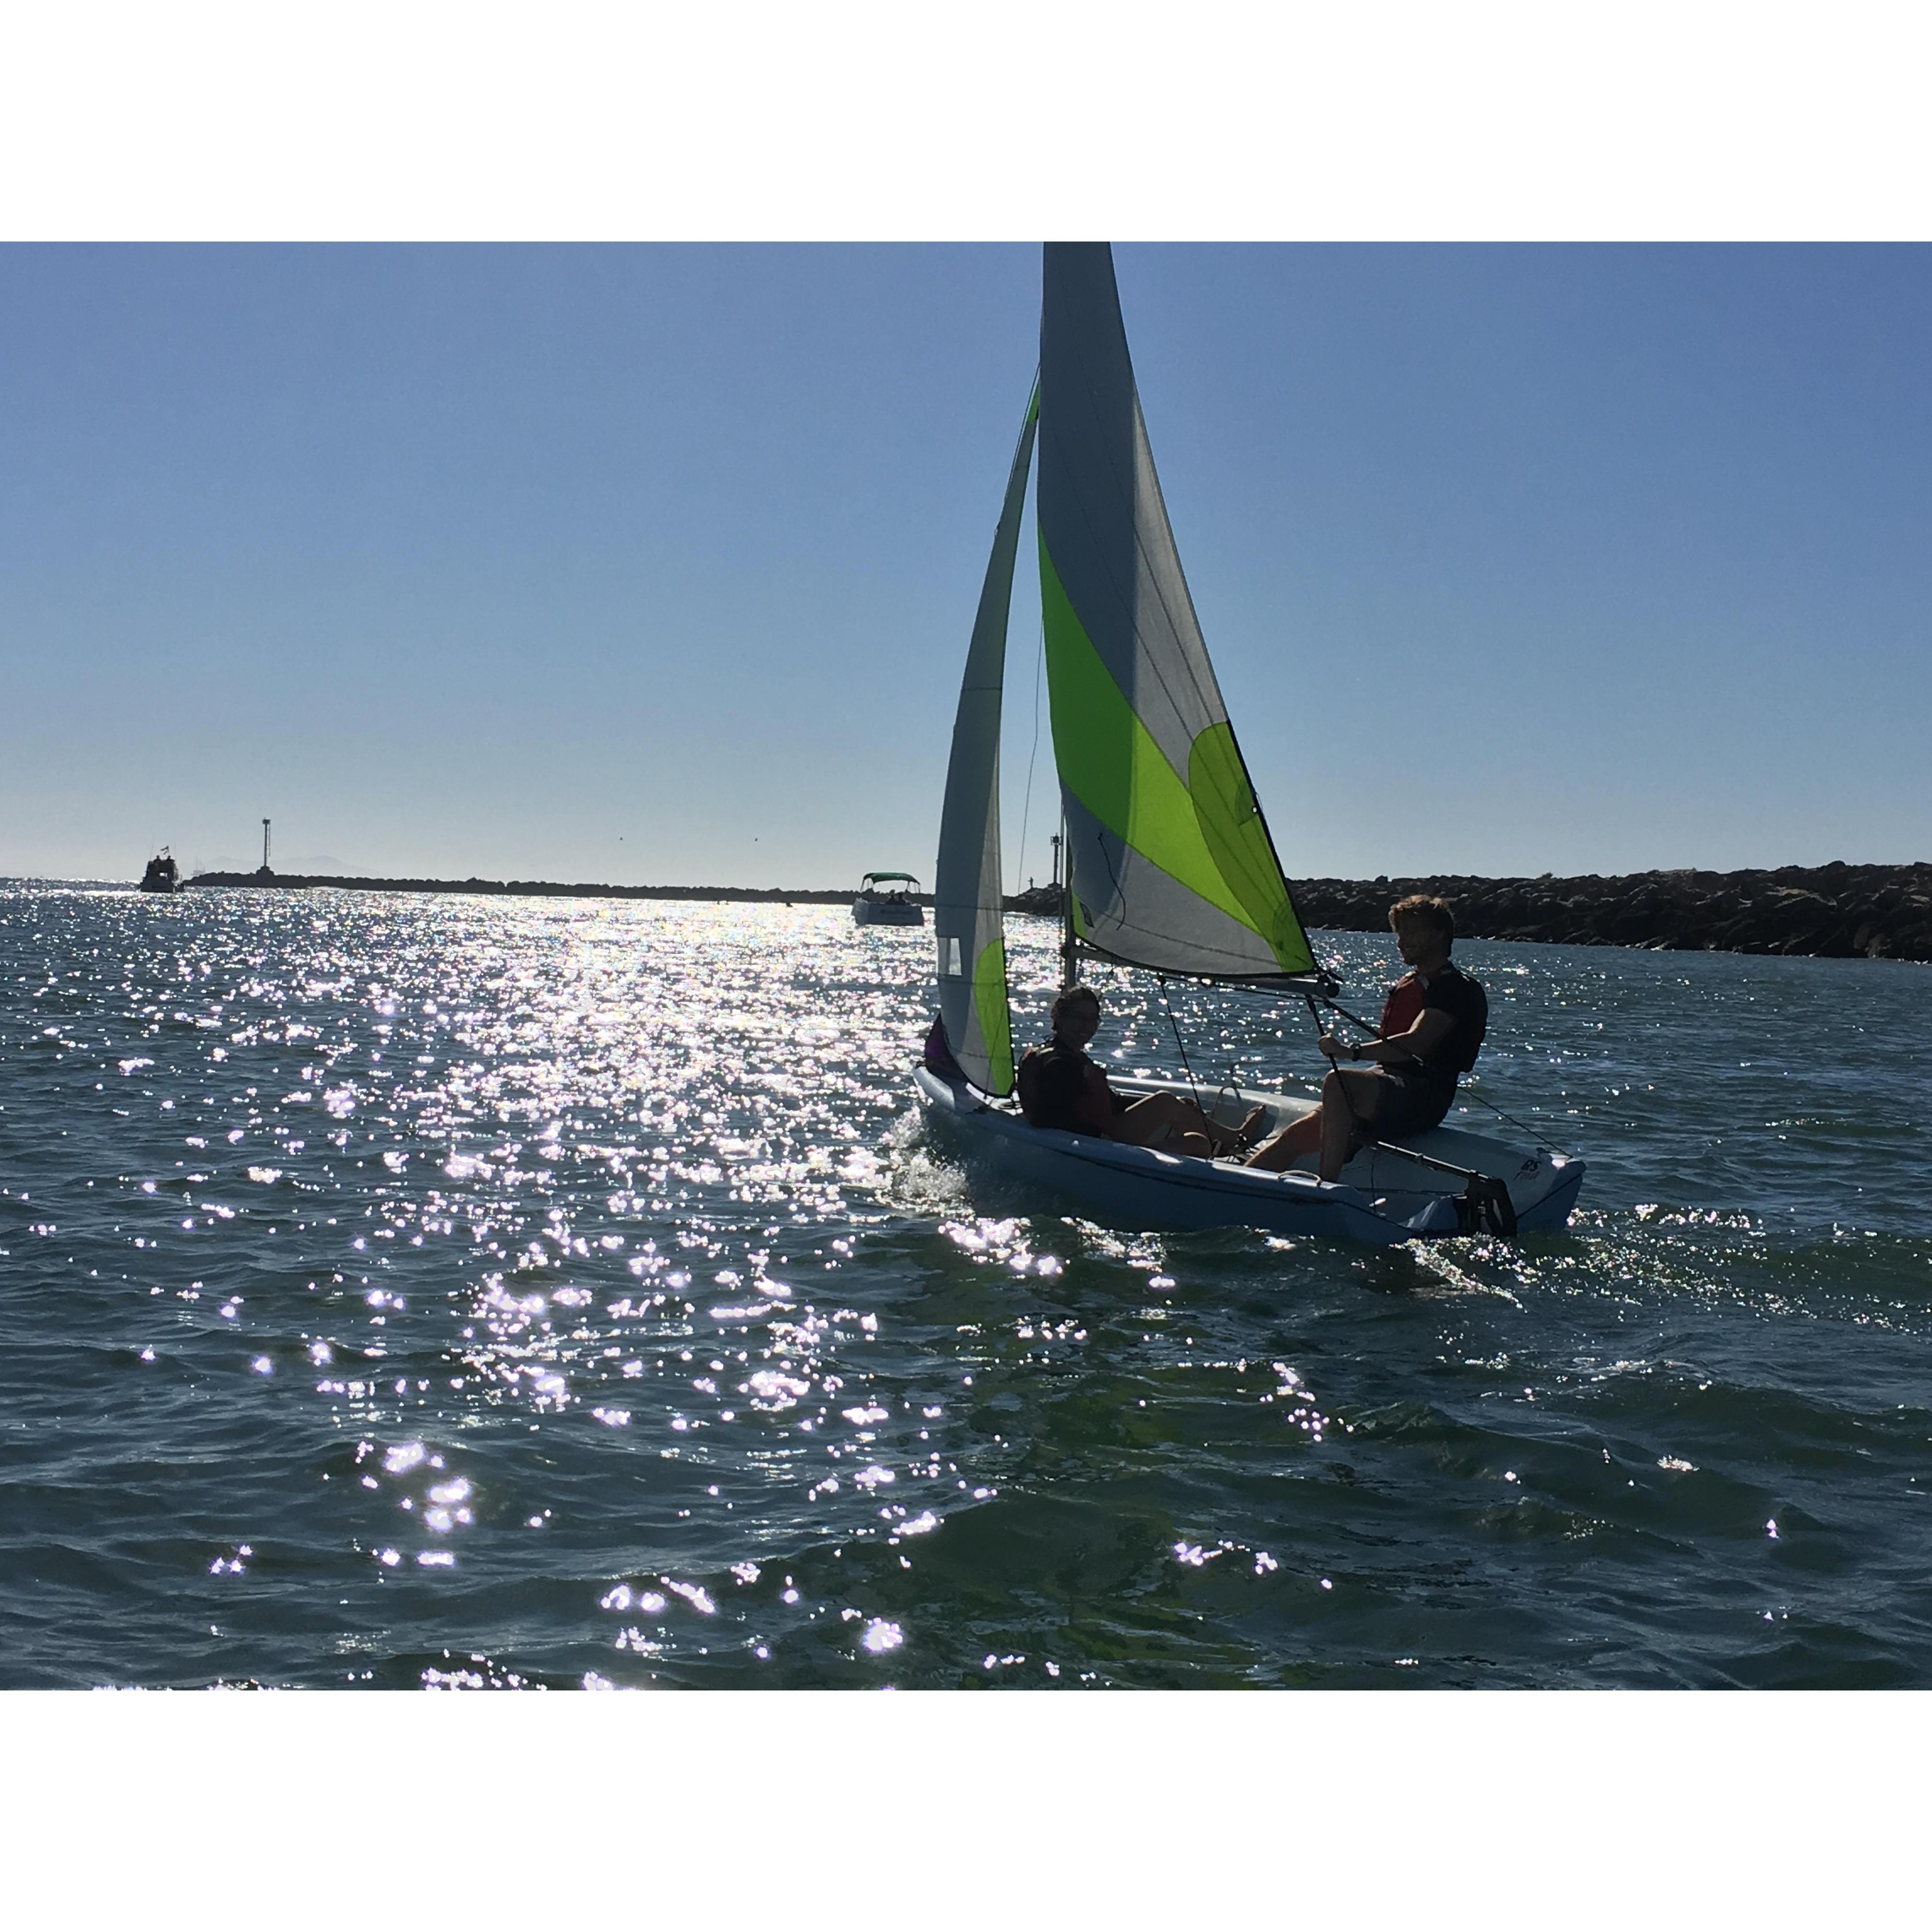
x=1189, y=1130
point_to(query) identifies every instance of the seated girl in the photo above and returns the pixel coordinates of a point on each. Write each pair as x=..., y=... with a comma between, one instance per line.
x=1061, y=1087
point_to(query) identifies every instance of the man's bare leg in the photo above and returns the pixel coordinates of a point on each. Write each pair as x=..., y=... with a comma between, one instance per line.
x=1349, y=1098
x=1281, y=1150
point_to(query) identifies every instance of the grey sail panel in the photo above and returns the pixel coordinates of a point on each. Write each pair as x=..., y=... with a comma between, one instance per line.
x=1171, y=860
x=967, y=908
x=1130, y=910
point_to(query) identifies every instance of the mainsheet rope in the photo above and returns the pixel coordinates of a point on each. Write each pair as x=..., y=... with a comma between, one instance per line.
x=1180, y=1045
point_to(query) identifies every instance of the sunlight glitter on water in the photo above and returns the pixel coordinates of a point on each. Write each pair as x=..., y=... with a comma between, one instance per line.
x=571, y=1287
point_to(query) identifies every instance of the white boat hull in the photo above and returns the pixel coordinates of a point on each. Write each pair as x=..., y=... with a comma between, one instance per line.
x=1380, y=1196
x=883, y=912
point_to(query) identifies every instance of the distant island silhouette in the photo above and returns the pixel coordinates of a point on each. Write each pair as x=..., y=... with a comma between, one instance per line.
x=1836, y=911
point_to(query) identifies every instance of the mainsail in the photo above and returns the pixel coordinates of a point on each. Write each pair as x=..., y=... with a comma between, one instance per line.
x=966, y=889
x=1170, y=864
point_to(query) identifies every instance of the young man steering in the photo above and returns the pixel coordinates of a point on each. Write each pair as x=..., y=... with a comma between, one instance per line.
x=1432, y=1029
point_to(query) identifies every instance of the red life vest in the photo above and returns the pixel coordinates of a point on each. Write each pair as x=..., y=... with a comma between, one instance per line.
x=1403, y=1007
x=1458, y=995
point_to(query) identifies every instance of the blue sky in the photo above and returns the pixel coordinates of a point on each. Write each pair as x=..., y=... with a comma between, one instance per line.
x=657, y=563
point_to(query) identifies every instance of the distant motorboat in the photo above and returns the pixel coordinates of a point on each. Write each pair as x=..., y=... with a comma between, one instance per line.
x=888, y=898
x=163, y=875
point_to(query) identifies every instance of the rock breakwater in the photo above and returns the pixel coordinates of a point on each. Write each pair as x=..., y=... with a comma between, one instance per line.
x=1832, y=912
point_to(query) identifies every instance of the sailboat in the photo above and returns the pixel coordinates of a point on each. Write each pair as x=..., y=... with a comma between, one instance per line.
x=1171, y=867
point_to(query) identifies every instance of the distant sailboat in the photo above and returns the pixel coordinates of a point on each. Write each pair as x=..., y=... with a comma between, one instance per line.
x=1171, y=866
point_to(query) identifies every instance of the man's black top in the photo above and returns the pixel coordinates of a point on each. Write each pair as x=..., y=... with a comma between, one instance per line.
x=1453, y=992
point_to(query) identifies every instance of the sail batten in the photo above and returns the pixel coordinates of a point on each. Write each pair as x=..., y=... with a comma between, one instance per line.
x=967, y=898
x=1169, y=860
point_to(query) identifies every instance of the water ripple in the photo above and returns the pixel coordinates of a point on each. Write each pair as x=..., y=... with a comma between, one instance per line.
x=477, y=1295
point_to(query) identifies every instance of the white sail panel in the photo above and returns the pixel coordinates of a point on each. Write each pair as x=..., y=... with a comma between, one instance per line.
x=967, y=900
x=1170, y=861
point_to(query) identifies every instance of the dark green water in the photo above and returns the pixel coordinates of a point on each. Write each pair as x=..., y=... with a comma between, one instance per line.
x=402, y=1291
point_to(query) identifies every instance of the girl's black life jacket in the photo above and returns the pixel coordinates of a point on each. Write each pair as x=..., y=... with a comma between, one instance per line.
x=1051, y=1081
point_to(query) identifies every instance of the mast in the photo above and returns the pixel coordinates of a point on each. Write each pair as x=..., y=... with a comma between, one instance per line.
x=1069, y=946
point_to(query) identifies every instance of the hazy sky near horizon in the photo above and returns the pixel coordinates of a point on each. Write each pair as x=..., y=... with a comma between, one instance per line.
x=653, y=564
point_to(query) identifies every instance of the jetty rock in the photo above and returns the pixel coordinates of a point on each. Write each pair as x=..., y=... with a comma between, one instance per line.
x=1836, y=911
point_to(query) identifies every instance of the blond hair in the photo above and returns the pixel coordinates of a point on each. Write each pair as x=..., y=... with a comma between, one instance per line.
x=1424, y=909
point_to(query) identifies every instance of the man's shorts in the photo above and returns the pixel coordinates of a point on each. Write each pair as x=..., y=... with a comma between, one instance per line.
x=1404, y=1103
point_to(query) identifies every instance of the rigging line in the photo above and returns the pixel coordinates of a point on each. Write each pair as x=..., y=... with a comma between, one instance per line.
x=1469, y=1093
x=1354, y=1119
x=1315, y=1019
x=1180, y=1045
x=1354, y=1019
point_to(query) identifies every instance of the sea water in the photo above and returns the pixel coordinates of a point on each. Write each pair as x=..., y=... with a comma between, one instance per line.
x=465, y=1291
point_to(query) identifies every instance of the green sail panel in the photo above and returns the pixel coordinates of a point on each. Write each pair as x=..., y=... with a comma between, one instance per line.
x=1171, y=862
x=967, y=921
